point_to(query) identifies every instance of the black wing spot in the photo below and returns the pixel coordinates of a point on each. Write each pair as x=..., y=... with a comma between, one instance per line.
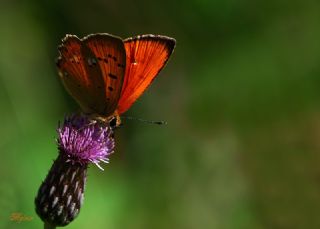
x=110, y=88
x=120, y=65
x=105, y=60
x=112, y=57
x=112, y=76
x=99, y=58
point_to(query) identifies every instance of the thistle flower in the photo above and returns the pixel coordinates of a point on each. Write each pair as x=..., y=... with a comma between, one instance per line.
x=80, y=141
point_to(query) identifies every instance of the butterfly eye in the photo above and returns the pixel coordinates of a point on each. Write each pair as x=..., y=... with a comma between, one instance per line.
x=113, y=122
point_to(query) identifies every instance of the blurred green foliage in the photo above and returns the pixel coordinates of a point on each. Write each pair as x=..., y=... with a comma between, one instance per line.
x=241, y=95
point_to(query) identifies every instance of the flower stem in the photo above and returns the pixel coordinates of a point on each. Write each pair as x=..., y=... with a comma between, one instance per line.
x=49, y=226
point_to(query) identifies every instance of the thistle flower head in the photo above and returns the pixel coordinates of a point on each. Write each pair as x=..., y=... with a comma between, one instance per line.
x=61, y=194
x=84, y=140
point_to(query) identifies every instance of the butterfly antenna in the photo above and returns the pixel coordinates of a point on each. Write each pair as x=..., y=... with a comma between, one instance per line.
x=145, y=121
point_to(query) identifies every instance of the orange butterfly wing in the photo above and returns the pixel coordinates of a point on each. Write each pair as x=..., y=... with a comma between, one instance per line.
x=85, y=71
x=77, y=76
x=146, y=56
x=111, y=57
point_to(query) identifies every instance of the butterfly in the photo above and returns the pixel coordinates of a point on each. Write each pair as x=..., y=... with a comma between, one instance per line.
x=106, y=74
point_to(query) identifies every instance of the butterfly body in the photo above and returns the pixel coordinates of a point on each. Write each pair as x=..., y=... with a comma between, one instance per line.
x=106, y=75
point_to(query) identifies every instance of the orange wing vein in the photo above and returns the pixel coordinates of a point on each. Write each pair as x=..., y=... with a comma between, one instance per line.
x=146, y=55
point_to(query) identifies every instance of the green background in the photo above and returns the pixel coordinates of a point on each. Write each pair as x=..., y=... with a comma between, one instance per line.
x=241, y=95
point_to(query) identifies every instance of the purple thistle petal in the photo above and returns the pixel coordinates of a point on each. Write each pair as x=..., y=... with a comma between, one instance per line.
x=84, y=140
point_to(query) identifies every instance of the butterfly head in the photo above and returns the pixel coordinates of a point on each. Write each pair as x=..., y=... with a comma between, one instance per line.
x=113, y=120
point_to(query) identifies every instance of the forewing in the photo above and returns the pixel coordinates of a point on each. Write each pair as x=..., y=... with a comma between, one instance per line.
x=83, y=81
x=146, y=55
x=111, y=58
